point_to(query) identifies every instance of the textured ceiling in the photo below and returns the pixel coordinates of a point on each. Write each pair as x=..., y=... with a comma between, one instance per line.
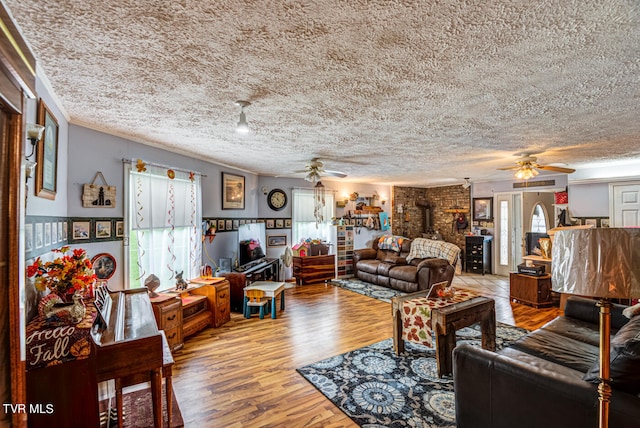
x=402, y=92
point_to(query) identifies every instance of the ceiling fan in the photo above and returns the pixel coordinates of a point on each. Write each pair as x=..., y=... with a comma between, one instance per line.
x=527, y=166
x=314, y=170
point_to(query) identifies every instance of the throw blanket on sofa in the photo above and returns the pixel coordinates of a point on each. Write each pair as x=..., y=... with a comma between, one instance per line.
x=422, y=247
x=390, y=242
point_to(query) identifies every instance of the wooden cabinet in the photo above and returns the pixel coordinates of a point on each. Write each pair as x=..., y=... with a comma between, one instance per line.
x=344, y=252
x=314, y=269
x=478, y=254
x=531, y=290
x=219, y=302
x=184, y=314
x=167, y=309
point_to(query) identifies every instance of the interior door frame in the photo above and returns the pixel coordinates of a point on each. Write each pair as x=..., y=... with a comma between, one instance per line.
x=514, y=252
x=612, y=200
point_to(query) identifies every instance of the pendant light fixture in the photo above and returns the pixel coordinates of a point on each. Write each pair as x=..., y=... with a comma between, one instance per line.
x=243, y=126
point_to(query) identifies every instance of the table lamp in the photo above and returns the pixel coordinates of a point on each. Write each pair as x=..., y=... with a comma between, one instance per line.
x=602, y=263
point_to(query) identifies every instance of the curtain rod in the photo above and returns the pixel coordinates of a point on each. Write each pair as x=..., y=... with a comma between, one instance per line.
x=159, y=165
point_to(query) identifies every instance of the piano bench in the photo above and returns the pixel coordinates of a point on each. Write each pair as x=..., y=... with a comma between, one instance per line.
x=135, y=379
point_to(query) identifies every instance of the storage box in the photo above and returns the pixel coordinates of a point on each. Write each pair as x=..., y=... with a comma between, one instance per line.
x=535, y=270
x=561, y=197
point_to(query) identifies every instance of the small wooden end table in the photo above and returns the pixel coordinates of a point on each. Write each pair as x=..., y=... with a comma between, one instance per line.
x=445, y=321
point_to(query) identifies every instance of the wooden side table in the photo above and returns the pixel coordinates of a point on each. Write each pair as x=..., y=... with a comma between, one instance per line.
x=530, y=290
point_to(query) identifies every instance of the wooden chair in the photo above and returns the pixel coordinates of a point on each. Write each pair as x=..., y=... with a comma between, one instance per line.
x=255, y=298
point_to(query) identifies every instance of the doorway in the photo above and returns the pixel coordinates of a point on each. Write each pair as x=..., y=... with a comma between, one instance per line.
x=625, y=206
x=508, y=230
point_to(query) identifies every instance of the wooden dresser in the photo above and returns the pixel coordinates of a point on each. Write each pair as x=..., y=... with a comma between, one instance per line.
x=167, y=309
x=183, y=313
x=314, y=269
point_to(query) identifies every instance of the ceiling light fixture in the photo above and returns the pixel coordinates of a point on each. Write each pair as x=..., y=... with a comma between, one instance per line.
x=526, y=172
x=466, y=183
x=243, y=126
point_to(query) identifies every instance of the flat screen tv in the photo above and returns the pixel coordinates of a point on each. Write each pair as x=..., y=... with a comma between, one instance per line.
x=251, y=240
x=531, y=241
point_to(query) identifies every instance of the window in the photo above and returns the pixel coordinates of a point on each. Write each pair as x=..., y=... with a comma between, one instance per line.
x=539, y=219
x=304, y=222
x=164, y=225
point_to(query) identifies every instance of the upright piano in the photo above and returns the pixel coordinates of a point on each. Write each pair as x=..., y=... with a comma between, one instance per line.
x=128, y=342
x=66, y=363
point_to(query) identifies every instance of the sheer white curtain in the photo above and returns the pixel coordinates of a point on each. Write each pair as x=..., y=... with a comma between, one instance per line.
x=304, y=223
x=164, y=225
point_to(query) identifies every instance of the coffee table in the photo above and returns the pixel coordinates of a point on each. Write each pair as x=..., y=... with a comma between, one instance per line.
x=445, y=321
x=271, y=290
x=443, y=318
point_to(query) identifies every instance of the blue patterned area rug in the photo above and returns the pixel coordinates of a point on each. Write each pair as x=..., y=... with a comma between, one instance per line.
x=366, y=288
x=377, y=388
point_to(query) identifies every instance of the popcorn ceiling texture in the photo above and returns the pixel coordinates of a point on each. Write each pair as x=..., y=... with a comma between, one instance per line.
x=404, y=92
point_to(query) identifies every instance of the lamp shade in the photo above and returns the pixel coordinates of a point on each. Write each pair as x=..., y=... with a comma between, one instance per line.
x=602, y=262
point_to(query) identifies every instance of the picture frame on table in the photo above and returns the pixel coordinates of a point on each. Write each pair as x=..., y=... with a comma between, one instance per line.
x=276, y=240
x=46, y=182
x=591, y=222
x=482, y=209
x=232, y=191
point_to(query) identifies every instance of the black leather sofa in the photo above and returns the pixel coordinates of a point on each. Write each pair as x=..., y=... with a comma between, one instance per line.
x=542, y=380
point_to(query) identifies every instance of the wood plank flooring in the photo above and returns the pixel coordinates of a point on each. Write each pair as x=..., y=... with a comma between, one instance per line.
x=243, y=374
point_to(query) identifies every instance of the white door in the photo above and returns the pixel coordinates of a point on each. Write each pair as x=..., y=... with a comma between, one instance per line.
x=507, y=252
x=625, y=207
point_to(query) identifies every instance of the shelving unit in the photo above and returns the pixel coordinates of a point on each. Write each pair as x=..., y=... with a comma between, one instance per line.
x=344, y=253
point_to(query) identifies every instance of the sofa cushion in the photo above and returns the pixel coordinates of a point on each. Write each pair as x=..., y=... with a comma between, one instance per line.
x=625, y=359
x=384, y=268
x=404, y=273
x=369, y=266
x=559, y=349
x=576, y=329
x=390, y=242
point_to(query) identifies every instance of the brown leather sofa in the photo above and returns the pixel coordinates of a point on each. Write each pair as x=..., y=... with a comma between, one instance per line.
x=548, y=378
x=390, y=268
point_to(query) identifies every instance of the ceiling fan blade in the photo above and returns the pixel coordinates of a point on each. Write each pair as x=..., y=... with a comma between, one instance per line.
x=509, y=168
x=555, y=168
x=334, y=174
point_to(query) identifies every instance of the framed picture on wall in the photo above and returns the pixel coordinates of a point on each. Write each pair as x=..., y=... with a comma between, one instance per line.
x=232, y=191
x=103, y=229
x=482, y=209
x=277, y=240
x=81, y=230
x=47, y=154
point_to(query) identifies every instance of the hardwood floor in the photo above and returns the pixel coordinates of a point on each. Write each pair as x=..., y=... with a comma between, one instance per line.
x=243, y=374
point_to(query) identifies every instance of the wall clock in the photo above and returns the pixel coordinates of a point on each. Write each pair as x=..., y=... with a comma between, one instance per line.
x=277, y=199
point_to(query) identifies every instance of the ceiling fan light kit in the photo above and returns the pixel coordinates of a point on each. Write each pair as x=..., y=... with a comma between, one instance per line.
x=527, y=167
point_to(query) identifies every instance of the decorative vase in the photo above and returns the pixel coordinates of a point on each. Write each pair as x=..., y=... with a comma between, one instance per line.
x=545, y=247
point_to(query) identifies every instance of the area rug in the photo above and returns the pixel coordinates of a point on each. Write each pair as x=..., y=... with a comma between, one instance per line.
x=371, y=290
x=377, y=388
x=138, y=413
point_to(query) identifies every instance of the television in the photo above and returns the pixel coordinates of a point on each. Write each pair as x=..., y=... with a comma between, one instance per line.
x=531, y=242
x=251, y=241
